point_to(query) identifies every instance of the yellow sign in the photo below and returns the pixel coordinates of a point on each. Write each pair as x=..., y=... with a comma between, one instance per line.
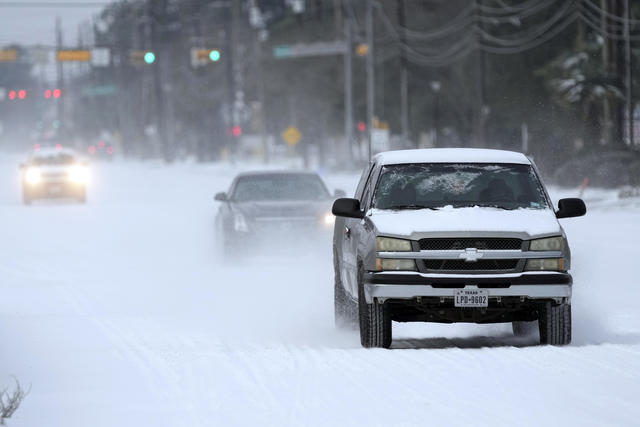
x=291, y=135
x=73, y=55
x=9, y=55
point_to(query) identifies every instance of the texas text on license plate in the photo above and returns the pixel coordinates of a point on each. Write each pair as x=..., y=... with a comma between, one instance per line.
x=471, y=298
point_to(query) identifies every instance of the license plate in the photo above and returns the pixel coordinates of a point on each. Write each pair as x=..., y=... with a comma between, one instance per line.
x=55, y=189
x=471, y=298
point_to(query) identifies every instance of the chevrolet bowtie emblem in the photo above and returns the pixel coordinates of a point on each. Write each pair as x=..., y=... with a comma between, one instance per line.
x=471, y=255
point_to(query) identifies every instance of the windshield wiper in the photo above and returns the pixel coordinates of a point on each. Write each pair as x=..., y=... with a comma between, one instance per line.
x=398, y=207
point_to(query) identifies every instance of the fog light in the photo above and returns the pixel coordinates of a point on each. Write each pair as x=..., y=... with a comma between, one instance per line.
x=240, y=223
x=387, y=264
x=545, y=264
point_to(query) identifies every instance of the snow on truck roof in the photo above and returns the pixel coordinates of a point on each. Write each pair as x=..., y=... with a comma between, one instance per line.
x=451, y=155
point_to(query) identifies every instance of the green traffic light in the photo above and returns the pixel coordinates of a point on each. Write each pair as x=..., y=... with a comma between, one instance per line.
x=214, y=55
x=149, y=57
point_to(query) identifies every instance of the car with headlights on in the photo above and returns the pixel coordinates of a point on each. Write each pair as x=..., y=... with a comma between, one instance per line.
x=452, y=235
x=54, y=173
x=273, y=206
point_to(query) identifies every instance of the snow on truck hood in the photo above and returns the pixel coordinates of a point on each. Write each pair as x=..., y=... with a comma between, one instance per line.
x=405, y=223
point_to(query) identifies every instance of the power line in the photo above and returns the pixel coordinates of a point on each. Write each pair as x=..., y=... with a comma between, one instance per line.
x=47, y=4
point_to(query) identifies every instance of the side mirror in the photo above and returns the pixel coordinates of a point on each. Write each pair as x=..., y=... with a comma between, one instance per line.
x=221, y=197
x=339, y=193
x=569, y=208
x=349, y=208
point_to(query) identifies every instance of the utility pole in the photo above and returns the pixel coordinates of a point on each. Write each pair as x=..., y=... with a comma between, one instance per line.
x=628, y=70
x=482, y=108
x=404, y=75
x=370, y=76
x=60, y=78
x=348, y=83
x=606, y=108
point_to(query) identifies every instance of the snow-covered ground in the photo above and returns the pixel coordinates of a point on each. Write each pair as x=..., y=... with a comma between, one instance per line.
x=118, y=313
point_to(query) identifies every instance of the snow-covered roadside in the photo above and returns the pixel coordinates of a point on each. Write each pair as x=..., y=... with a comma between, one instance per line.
x=118, y=313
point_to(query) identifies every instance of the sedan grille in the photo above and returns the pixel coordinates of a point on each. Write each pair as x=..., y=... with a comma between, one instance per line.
x=443, y=244
x=462, y=265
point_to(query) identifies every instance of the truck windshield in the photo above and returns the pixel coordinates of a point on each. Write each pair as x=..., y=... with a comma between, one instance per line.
x=436, y=185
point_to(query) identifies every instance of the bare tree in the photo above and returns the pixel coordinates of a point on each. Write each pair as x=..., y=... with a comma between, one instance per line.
x=10, y=401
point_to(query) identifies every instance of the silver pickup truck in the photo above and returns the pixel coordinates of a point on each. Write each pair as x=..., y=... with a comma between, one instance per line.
x=452, y=235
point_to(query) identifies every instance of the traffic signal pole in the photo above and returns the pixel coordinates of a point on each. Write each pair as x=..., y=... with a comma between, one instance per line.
x=370, y=76
x=348, y=84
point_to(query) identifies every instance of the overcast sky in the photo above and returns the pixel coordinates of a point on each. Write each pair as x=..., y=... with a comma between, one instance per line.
x=36, y=25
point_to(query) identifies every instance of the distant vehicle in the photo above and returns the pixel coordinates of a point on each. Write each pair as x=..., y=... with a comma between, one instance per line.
x=452, y=235
x=54, y=173
x=273, y=205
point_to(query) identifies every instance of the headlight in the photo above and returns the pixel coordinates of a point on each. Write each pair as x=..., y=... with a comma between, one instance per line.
x=78, y=174
x=387, y=244
x=548, y=244
x=545, y=264
x=33, y=176
x=328, y=220
x=240, y=223
x=395, y=264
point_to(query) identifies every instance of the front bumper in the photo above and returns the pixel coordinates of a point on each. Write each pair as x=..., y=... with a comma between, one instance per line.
x=383, y=286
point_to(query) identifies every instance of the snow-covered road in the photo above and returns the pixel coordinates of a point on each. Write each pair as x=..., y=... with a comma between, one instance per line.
x=118, y=313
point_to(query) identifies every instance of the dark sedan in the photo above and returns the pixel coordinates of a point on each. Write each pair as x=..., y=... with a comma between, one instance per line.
x=261, y=206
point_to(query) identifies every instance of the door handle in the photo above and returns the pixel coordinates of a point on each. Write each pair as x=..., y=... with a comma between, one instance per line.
x=347, y=232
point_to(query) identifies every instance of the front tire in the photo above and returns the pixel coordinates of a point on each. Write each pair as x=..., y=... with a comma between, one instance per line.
x=554, y=323
x=375, y=320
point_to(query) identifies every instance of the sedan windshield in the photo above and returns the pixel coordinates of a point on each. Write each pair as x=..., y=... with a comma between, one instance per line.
x=435, y=185
x=280, y=187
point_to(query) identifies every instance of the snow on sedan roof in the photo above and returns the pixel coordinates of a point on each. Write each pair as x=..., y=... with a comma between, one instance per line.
x=451, y=155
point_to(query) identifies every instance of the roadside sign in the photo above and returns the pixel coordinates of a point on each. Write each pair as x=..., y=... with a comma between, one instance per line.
x=309, y=49
x=8, y=55
x=100, y=57
x=291, y=136
x=39, y=55
x=73, y=55
x=105, y=90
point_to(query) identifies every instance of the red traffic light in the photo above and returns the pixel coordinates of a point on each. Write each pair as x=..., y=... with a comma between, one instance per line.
x=12, y=94
x=47, y=93
x=236, y=131
x=57, y=93
x=362, y=127
x=22, y=94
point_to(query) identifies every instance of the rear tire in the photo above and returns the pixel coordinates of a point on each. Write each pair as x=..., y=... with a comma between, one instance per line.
x=375, y=320
x=554, y=322
x=524, y=329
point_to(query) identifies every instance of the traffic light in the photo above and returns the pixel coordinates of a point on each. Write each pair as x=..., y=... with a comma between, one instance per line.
x=149, y=57
x=202, y=56
x=214, y=55
x=362, y=126
x=236, y=131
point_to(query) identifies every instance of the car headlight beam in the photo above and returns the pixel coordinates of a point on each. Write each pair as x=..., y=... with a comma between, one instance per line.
x=33, y=176
x=389, y=244
x=78, y=174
